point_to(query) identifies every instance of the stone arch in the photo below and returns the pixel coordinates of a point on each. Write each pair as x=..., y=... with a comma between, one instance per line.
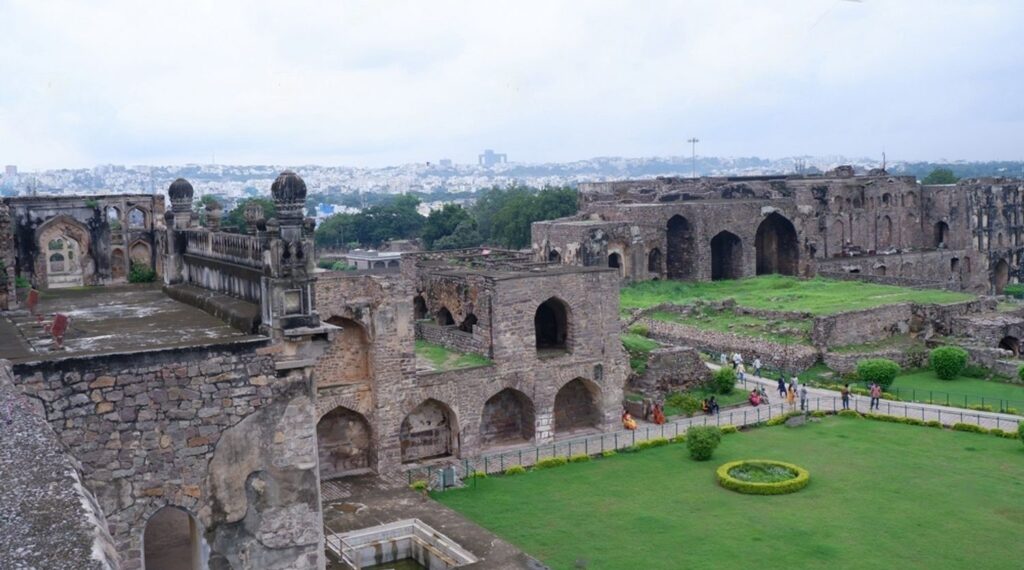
x=1000, y=276
x=880, y=270
x=118, y=267
x=887, y=199
x=838, y=236
x=393, y=263
x=680, y=253
x=551, y=325
x=954, y=264
x=941, y=234
x=726, y=256
x=615, y=261
x=444, y=317
x=884, y=232
x=344, y=443
x=776, y=244
x=508, y=418
x=577, y=408
x=138, y=219
x=379, y=265
x=348, y=359
x=554, y=256
x=113, y=216
x=1010, y=343
x=64, y=260
x=419, y=308
x=654, y=261
x=139, y=253
x=172, y=539
x=429, y=431
x=468, y=323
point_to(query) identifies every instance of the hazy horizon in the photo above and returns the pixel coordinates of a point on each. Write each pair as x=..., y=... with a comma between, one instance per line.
x=373, y=84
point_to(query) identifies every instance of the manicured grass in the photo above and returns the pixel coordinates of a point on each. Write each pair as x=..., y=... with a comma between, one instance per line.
x=440, y=358
x=922, y=385
x=881, y=496
x=787, y=331
x=818, y=296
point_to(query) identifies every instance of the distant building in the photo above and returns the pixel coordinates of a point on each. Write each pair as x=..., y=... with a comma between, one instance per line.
x=372, y=259
x=445, y=163
x=490, y=158
x=10, y=179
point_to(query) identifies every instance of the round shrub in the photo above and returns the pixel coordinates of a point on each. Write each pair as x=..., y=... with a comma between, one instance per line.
x=1020, y=373
x=948, y=361
x=701, y=441
x=762, y=477
x=515, y=470
x=688, y=404
x=1020, y=431
x=724, y=380
x=881, y=371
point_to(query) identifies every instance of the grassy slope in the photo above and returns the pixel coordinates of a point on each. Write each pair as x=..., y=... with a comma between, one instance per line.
x=818, y=296
x=925, y=380
x=736, y=397
x=441, y=358
x=745, y=325
x=881, y=496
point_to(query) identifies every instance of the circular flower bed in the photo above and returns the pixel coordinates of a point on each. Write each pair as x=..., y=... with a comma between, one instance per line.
x=762, y=477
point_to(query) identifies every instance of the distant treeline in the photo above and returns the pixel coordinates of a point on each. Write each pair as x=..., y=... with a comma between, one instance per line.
x=1008, y=169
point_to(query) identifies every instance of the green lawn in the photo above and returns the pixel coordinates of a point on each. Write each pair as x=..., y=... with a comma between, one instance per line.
x=736, y=397
x=818, y=296
x=438, y=357
x=922, y=385
x=881, y=496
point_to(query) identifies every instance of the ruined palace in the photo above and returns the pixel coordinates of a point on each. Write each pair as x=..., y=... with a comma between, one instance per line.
x=878, y=227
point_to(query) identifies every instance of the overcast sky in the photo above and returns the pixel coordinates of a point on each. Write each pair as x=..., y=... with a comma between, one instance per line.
x=372, y=83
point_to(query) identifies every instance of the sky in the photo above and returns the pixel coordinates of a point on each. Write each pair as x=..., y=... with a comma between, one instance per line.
x=376, y=82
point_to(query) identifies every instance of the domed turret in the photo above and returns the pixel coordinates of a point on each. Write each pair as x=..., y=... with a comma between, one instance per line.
x=289, y=193
x=181, y=191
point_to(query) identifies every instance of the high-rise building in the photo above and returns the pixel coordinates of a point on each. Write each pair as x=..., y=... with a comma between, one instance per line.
x=490, y=158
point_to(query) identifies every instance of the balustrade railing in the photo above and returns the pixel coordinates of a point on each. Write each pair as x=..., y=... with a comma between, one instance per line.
x=235, y=248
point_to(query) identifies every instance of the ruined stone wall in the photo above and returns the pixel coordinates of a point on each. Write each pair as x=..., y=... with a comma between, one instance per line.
x=671, y=369
x=856, y=327
x=213, y=430
x=8, y=296
x=450, y=337
x=466, y=296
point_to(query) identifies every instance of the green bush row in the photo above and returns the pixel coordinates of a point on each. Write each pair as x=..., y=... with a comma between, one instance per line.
x=803, y=477
x=655, y=442
x=781, y=419
x=550, y=462
x=515, y=470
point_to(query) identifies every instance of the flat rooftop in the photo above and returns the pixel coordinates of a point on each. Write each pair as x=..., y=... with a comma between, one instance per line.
x=107, y=320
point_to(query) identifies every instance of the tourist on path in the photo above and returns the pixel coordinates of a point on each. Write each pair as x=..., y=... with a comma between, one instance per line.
x=736, y=360
x=845, y=392
x=791, y=397
x=757, y=366
x=741, y=372
x=803, y=397
x=722, y=359
x=876, y=394
x=782, y=386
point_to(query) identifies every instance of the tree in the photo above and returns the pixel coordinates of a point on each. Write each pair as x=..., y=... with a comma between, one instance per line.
x=236, y=217
x=940, y=176
x=465, y=235
x=442, y=223
x=504, y=215
x=394, y=219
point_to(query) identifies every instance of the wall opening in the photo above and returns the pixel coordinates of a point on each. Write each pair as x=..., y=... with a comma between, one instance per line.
x=118, y=271
x=139, y=253
x=726, y=256
x=776, y=245
x=347, y=360
x=941, y=234
x=419, y=308
x=508, y=419
x=554, y=257
x=171, y=541
x=63, y=262
x=1010, y=343
x=1000, y=276
x=884, y=232
x=576, y=407
x=954, y=264
x=136, y=219
x=428, y=432
x=551, y=325
x=343, y=444
x=615, y=261
x=468, y=323
x=654, y=261
x=680, y=255
x=444, y=317
x=113, y=218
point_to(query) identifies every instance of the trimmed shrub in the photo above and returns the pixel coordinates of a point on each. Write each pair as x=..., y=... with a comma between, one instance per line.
x=688, y=403
x=724, y=380
x=799, y=481
x=1020, y=431
x=701, y=441
x=608, y=453
x=781, y=419
x=515, y=470
x=969, y=427
x=418, y=485
x=641, y=330
x=975, y=371
x=141, y=274
x=477, y=475
x=948, y=361
x=881, y=371
x=726, y=430
x=980, y=407
x=818, y=414
x=655, y=442
x=550, y=462
x=681, y=438
x=933, y=424
x=579, y=458
x=850, y=414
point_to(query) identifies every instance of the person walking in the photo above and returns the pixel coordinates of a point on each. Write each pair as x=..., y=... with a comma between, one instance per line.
x=876, y=395
x=741, y=372
x=791, y=397
x=757, y=366
x=722, y=359
x=736, y=360
x=803, y=397
x=845, y=393
x=782, y=386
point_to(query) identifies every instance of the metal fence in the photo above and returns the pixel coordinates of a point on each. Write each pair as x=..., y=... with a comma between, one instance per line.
x=596, y=444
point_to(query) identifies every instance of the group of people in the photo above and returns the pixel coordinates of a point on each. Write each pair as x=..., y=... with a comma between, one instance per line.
x=738, y=365
x=653, y=412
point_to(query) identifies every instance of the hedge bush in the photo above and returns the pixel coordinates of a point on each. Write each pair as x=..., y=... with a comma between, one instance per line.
x=688, y=403
x=1015, y=290
x=579, y=458
x=1020, y=431
x=781, y=419
x=948, y=361
x=724, y=380
x=418, y=485
x=515, y=470
x=881, y=371
x=1020, y=373
x=726, y=430
x=477, y=475
x=642, y=330
x=969, y=427
x=654, y=442
x=550, y=462
x=701, y=441
x=609, y=453
x=140, y=273
x=802, y=478
x=849, y=414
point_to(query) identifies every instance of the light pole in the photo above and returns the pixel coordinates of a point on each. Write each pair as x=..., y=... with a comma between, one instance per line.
x=693, y=155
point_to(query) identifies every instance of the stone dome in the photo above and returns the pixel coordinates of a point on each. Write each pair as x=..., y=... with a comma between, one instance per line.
x=289, y=187
x=180, y=189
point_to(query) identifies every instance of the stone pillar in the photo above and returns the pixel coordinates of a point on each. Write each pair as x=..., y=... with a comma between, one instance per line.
x=213, y=213
x=253, y=214
x=545, y=428
x=181, y=193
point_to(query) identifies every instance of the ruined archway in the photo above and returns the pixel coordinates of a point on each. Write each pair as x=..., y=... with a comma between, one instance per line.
x=468, y=323
x=776, y=245
x=63, y=260
x=884, y=232
x=941, y=235
x=344, y=443
x=654, y=261
x=554, y=256
x=576, y=407
x=137, y=219
x=419, y=308
x=429, y=431
x=1010, y=343
x=551, y=325
x=680, y=256
x=118, y=270
x=171, y=541
x=508, y=419
x=348, y=359
x=726, y=256
x=113, y=218
x=140, y=254
x=837, y=237
x=1000, y=276
x=615, y=261
x=444, y=317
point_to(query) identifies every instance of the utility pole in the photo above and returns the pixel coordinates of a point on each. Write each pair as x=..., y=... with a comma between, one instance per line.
x=693, y=155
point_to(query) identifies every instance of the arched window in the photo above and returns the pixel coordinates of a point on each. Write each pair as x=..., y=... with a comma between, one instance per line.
x=113, y=218
x=343, y=443
x=615, y=261
x=136, y=219
x=954, y=264
x=886, y=199
x=941, y=234
x=444, y=317
x=172, y=540
x=554, y=256
x=1000, y=276
x=468, y=323
x=419, y=308
x=726, y=256
x=57, y=263
x=654, y=261
x=429, y=431
x=551, y=325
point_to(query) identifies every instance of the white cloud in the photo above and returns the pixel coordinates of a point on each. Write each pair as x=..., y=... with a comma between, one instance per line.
x=377, y=82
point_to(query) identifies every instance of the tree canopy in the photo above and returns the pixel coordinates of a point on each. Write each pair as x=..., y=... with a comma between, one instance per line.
x=940, y=176
x=395, y=219
x=236, y=217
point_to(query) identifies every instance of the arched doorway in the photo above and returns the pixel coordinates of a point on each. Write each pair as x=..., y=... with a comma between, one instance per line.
x=113, y=218
x=171, y=541
x=726, y=256
x=838, y=237
x=118, y=271
x=615, y=261
x=444, y=317
x=1000, y=276
x=941, y=234
x=576, y=407
x=343, y=443
x=63, y=263
x=419, y=308
x=554, y=256
x=776, y=245
x=508, y=419
x=654, y=261
x=347, y=359
x=468, y=323
x=884, y=232
x=679, y=255
x=1010, y=343
x=551, y=325
x=429, y=431
x=139, y=253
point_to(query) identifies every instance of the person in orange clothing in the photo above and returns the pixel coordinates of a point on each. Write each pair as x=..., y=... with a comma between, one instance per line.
x=627, y=420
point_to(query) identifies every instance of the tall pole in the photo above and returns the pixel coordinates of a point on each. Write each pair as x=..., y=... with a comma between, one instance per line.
x=693, y=155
